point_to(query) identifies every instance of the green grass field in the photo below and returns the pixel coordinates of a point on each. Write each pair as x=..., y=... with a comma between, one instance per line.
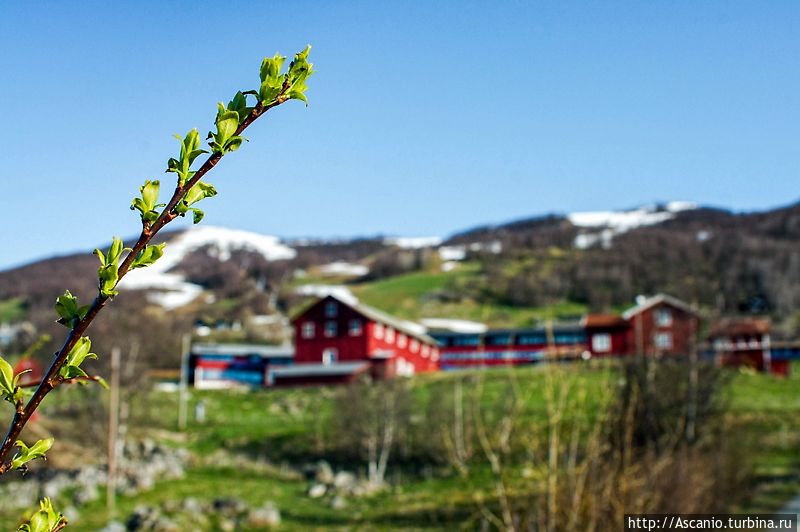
x=282, y=425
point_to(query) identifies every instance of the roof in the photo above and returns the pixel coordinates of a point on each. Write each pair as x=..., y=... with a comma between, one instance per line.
x=410, y=328
x=320, y=370
x=266, y=351
x=739, y=327
x=657, y=299
x=603, y=321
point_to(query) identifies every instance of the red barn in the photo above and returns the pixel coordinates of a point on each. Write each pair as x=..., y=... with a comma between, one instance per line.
x=337, y=340
x=661, y=325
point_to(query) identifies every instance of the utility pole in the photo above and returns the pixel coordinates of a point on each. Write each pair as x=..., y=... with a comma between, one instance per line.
x=113, y=429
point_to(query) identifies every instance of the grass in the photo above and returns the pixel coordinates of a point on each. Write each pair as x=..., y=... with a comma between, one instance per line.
x=11, y=310
x=283, y=425
x=423, y=295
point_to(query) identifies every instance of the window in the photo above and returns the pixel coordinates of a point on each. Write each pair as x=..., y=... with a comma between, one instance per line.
x=308, y=329
x=601, y=343
x=402, y=340
x=331, y=309
x=330, y=329
x=664, y=340
x=414, y=346
x=329, y=356
x=425, y=350
x=532, y=339
x=389, y=335
x=663, y=317
x=467, y=340
x=498, y=339
x=435, y=354
x=355, y=328
x=378, y=331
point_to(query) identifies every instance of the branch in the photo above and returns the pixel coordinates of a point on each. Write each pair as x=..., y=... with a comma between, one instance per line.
x=51, y=378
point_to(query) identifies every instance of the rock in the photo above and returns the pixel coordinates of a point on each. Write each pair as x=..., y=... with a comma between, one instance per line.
x=191, y=505
x=267, y=515
x=317, y=490
x=344, y=481
x=324, y=472
x=229, y=507
x=114, y=526
x=227, y=525
x=338, y=502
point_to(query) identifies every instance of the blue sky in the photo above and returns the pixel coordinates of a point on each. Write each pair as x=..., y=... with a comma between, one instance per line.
x=425, y=117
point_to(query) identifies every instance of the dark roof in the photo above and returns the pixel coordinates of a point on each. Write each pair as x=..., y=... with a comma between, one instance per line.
x=266, y=351
x=739, y=327
x=604, y=321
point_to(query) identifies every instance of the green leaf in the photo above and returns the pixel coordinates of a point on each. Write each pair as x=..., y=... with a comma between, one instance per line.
x=190, y=145
x=46, y=519
x=26, y=454
x=102, y=382
x=198, y=192
x=70, y=372
x=69, y=311
x=148, y=256
x=197, y=216
x=109, y=263
x=6, y=378
x=79, y=352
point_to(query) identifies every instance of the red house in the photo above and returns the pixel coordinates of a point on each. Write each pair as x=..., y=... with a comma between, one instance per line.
x=661, y=325
x=335, y=341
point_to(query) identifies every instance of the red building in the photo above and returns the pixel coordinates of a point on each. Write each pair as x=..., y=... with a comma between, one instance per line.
x=746, y=342
x=661, y=325
x=606, y=335
x=335, y=341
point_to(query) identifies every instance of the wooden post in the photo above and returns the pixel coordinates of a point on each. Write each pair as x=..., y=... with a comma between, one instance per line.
x=183, y=400
x=113, y=429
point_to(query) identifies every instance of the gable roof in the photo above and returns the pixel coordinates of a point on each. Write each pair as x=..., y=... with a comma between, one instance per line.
x=657, y=299
x=409, y=328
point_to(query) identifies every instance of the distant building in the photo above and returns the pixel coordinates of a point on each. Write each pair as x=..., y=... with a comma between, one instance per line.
x=607, y=335
x=336, y=341
x=746, y=342
x=661, y=326
x=510, y=346
x=215, y=366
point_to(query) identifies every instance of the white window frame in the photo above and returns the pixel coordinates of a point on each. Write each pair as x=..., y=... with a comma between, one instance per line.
x=601, y=343
x=378, y=331
x=663, y=340
x=355, y=327
x=331, y=309
x=331, y=333
x=308, y=330
x=402, y=340
x=389, y=335
x=414, y=346
x=663, y=316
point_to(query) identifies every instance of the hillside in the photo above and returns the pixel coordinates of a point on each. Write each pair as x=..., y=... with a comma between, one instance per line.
x=511, y=274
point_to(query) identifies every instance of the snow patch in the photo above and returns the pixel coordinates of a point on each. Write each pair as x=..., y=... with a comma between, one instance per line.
x=341, y=268
x=614, y=223
x=415, y=242
x=171, y=289
x=340, y=292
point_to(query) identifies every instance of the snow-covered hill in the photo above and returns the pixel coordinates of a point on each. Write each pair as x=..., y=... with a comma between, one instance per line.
x=170, y=289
